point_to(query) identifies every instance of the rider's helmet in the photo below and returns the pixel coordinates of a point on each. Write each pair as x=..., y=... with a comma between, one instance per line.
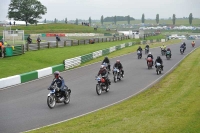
x=56, y=74
x=139, y=46
x=106, y=57
x=158, y=57
x=118, y=61
x=168, y=49
x=149, y=52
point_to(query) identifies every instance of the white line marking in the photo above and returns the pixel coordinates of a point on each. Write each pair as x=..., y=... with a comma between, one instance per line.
x=148, y=86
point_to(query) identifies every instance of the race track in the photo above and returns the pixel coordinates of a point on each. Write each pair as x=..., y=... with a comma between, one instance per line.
x=24, y=107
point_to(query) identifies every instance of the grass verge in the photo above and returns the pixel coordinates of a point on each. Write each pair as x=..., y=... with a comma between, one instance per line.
x=35, y=60
x=172, y=105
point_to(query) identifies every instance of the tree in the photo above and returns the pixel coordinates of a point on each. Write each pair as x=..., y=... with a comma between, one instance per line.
x=115, y=20
x=174, y=19
x=55, y=20
x=90, y=21
x=157, y=18
x=76, y=21
x=190, y=18
x=66, y=20
x=102, y=20
x=128, y=19
x=143, y=18
x=26, y=10
x=45, y=21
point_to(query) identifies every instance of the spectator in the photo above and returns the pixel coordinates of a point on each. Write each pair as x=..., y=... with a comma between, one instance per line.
x=14, y=22
x=1, y=49
x=38, y=39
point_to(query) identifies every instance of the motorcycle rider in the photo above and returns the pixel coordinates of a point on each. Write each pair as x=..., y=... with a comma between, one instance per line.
x=38, y=39
x=151, y=56
x=57, y=38
x=147, y=47
x=193, y=42
x=60, y=83
x=183, y=46
x=159, y=60
x=119, y=66
x=140, y=49
x=106, y=60
x=104, y=72
x=170, y=52
x=29, y=40
x=163, y=47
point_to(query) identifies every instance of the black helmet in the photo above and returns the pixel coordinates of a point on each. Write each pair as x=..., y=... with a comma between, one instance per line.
x=158, y=57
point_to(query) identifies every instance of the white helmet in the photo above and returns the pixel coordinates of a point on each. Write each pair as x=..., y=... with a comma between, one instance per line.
x=149, y=52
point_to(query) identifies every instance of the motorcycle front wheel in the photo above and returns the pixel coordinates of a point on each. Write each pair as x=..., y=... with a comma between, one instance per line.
x=98, y=89
x=51, y=101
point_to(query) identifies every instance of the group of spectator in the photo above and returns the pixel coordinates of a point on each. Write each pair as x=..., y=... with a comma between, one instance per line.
x=13, y=23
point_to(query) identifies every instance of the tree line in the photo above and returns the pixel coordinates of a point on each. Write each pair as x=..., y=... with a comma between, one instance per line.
x=30, y=11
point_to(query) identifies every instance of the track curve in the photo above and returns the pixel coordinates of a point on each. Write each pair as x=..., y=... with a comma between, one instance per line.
x=24, y=107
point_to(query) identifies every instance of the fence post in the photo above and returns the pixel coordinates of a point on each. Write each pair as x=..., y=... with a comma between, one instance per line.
x=102, y=39
x=65, y=43
x=72, y=43
x=78, y=42
x=23, y=50
x=38, y=45
x=48, y=44
x=27, y=47
x=84, y=41
x=98, y=40
x=56, y=44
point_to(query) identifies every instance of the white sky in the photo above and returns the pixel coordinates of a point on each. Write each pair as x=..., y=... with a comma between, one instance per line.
x=83, y=9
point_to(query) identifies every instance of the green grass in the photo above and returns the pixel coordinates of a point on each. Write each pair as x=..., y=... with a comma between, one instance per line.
x=35, y=60
x=57, y=28
x=170, y=106
x=160, y=36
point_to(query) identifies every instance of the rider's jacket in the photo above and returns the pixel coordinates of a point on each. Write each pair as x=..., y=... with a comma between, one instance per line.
x=59, y=81
x=118, y=65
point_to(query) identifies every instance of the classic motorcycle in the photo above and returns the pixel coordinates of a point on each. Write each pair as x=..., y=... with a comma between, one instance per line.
x=55, y=96
x=158, y=69
x=168, y=55
x=139, y=53
x=101, y=85
x=181, y=50
x=163, y=52
x=146, y=50
x=150, y=62
x=117, y=75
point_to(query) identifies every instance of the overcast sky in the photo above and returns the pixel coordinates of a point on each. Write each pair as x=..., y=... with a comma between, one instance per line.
x=83, y=9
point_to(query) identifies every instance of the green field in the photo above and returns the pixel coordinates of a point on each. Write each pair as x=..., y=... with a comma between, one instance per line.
x=170, y=106
x=57, y=28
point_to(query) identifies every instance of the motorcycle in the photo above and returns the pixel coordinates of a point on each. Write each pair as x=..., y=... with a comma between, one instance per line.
x=158, y=69
x=107, y=68
x=150, y=62
x=163, y=52
x=58, y=39
x=181, y=50
x=146, y=50
x=139, y=53
x=101, y=85
x=117, y=74
x=168, y=54
x=55, y=96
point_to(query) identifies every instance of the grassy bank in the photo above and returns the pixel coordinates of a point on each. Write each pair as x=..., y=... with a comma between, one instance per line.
x=160, y=36
x=172, y=105
x=58, y=28
x=35, y=60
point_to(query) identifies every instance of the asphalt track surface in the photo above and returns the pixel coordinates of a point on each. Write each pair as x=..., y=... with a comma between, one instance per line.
x=24, y=107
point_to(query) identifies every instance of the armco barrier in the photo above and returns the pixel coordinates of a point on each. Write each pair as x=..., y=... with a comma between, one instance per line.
x=118, y=47
x=97, y=54
x=112, y=49
x=29, y=76
x=123, y=45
